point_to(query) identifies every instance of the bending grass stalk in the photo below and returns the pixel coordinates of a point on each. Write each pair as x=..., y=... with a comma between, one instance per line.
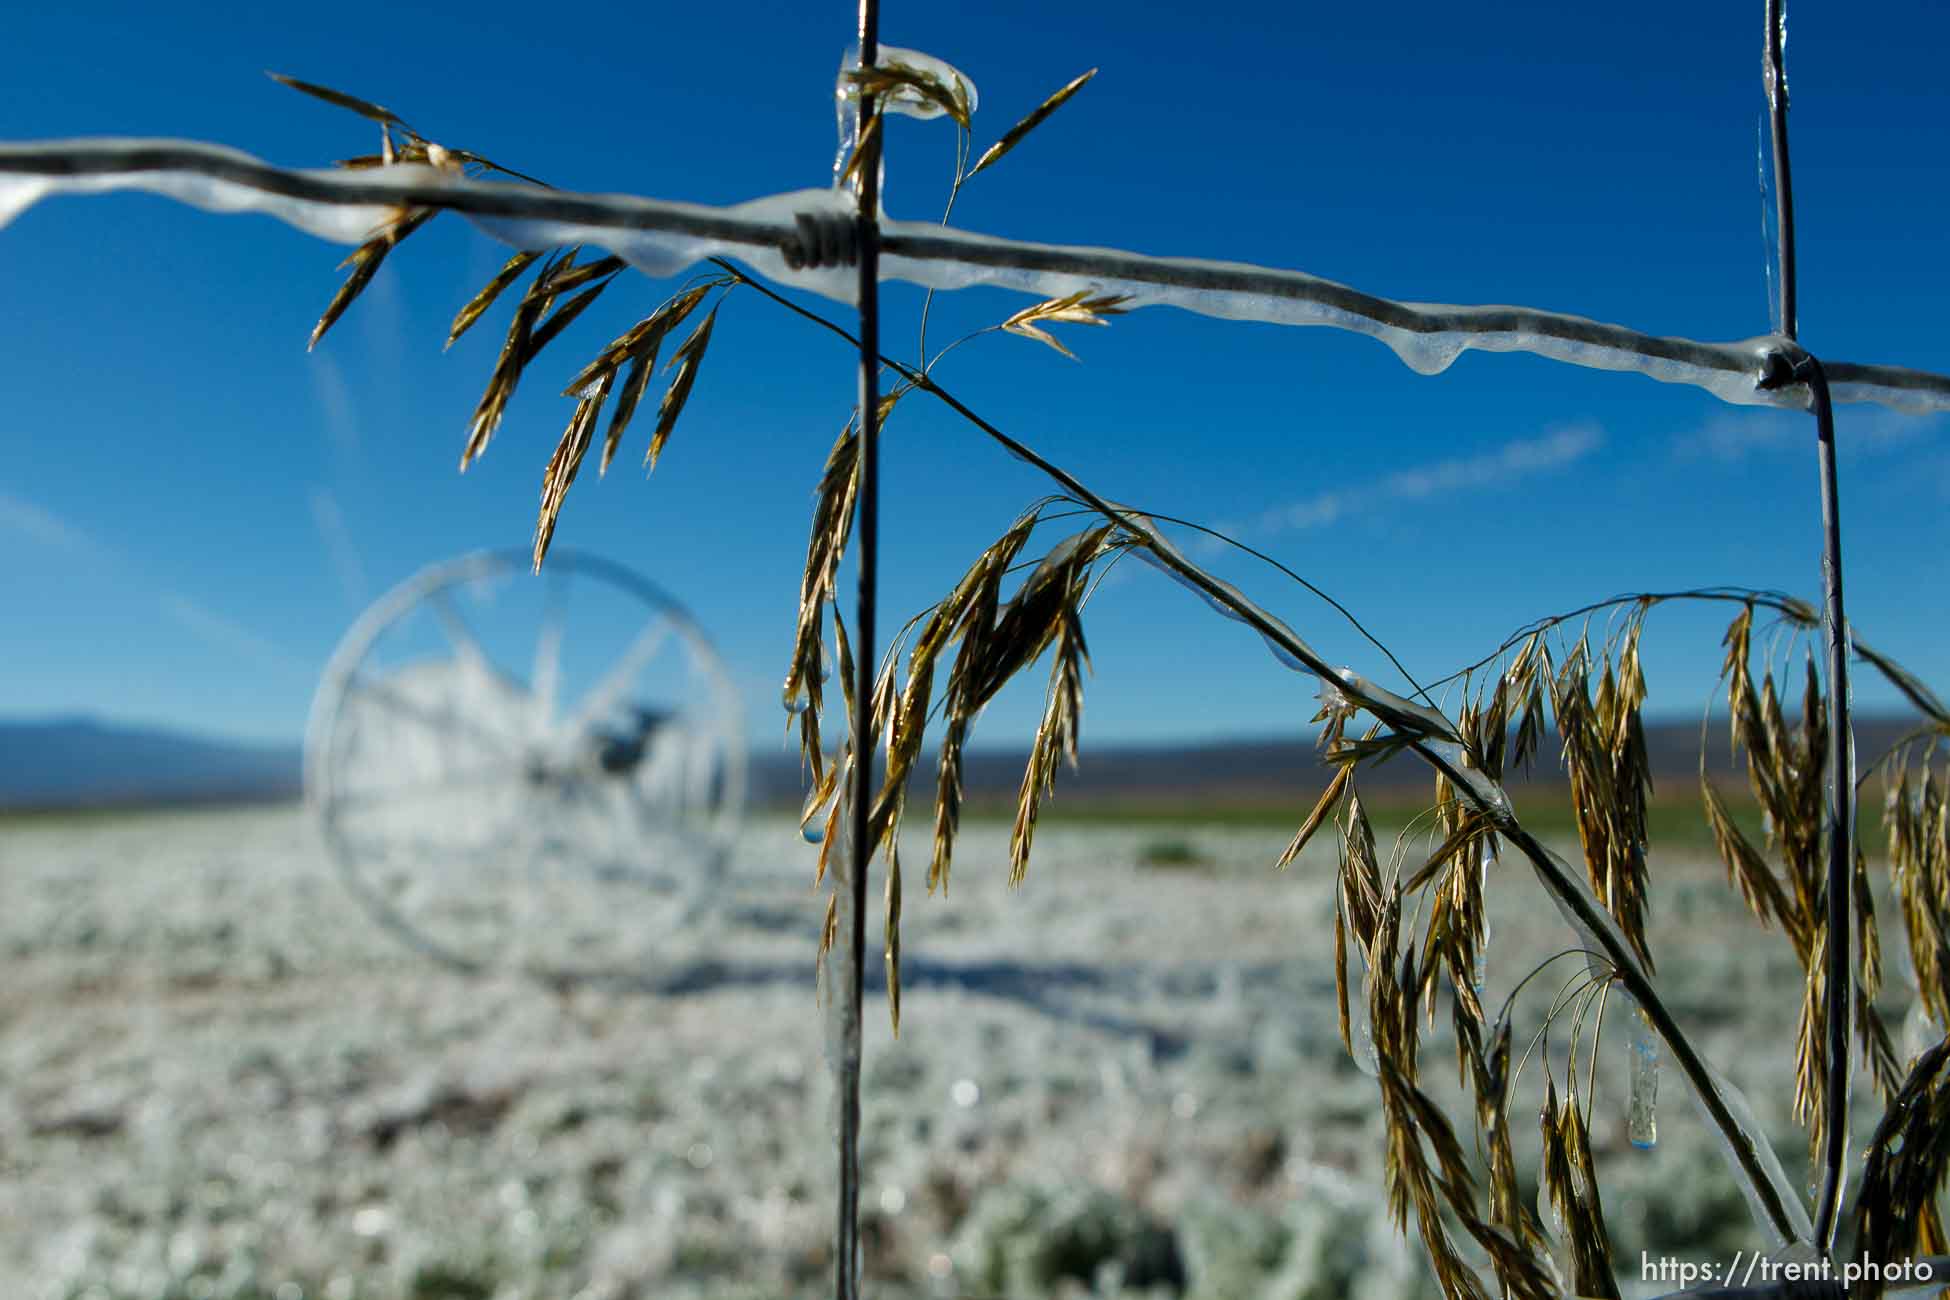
x=1840, y=813
x=1488, y=799
x=1485, y=796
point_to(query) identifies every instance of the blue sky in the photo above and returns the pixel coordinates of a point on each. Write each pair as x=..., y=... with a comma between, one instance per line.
x=193, y=508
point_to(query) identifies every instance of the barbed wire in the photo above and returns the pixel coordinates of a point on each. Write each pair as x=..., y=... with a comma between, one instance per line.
x=661, y=237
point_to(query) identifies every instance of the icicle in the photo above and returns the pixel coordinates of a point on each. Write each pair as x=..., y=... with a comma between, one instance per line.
x=1769, y=239
x=846, y=111
x=1553, y=1224
x=19, y=193
x=1920, y=1032
x=904, y=100
x=1642, y=1110
x=1751, y=1137
x=1362, y=1049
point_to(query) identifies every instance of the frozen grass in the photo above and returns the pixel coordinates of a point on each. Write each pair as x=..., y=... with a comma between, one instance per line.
x=223, y=1083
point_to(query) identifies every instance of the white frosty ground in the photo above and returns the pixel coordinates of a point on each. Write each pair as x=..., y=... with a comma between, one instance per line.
x=219, y=1079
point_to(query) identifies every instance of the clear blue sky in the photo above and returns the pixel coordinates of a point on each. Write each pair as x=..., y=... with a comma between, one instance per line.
x=192, y=508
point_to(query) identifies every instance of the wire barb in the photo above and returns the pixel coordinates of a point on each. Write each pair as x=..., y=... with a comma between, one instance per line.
x=822, y=239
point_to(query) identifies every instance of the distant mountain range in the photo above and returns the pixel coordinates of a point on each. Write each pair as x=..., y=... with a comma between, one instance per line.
x=1248, y=773
x=83, y=762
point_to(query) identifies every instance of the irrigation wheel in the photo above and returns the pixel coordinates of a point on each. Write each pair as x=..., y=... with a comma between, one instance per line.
x=539, y=772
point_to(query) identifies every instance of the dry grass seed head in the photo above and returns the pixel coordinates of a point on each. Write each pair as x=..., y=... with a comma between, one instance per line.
x=868, y=145
x=1328, y=803
x=1748, y=870
x=1409, y=1116
x=1036, y=117
x=1896, y=1210
x=510, y=271
x=947, y=804
x=825, y=544
x=1920, y=696
x=365, y=262
x=1080, y=308
x=643, y=339
x=894, y=79
x=352, y=103
x=603, y=272
x=688, y=357
x=829, y=933
x=1570, y=1181
x=1057, y=734
x=516, y=352
x=976, y=628
x=842, y=775
x=562, y=466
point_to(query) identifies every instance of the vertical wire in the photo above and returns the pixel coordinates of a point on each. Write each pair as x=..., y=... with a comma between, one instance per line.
x=1774, y=77
x=867, y=529
x=1839, y=811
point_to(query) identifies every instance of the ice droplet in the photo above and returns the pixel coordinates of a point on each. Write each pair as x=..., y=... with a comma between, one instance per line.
x=19, y=193
x=1769, y=227
x=1642, y=1110
x=1366, y=1058
x=906, y=101
x=812, y=834
x=797, y=701
x=1920, y=1032
x=1553, y=1224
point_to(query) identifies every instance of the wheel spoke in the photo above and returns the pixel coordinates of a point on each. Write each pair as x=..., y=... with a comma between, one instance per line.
x=460, y=635
x=487, y=778
x=608, y=692
x=445, y=723
x=545, y=676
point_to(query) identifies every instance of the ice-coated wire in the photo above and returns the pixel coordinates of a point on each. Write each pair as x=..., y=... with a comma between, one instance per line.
x=661, y=238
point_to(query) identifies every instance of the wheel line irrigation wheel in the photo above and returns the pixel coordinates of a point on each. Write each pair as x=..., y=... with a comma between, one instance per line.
x=542, y=773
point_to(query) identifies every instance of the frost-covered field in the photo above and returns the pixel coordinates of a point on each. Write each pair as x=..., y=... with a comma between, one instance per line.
x=219, y=1079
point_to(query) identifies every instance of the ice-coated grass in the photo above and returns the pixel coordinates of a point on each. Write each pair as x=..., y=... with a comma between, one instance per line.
x=224, y=1083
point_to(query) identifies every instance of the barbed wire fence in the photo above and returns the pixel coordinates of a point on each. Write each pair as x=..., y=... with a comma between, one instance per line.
x=837, y=243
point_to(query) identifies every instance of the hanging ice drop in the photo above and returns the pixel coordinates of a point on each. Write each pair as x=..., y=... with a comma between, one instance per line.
x=1553, y=1225
x=1920, y=1032
x=1642, y=1111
